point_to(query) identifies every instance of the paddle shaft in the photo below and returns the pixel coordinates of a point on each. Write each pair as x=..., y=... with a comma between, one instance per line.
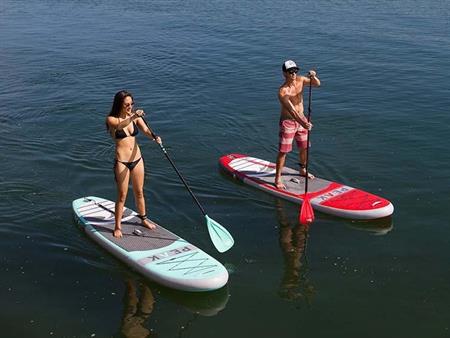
x=307, y=137
x=176, y=169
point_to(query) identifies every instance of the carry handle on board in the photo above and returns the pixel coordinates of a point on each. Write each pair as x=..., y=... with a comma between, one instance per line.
x=220, y=236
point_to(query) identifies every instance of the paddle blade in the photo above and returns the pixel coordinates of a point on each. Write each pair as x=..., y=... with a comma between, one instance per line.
x=220, y=236
x=306, y=212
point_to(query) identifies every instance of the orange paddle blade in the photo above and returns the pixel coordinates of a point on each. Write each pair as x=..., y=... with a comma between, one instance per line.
x=306, y=212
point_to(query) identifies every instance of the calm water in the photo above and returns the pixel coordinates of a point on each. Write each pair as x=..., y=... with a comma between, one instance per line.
x=207, y=74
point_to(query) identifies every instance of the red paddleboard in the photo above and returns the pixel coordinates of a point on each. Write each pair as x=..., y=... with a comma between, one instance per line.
x=325, y=196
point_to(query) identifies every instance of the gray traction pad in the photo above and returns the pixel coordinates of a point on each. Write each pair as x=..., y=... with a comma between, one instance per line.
x=103, y=221
x=292, y=180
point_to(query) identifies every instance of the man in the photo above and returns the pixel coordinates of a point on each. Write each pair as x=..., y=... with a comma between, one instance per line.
x=293, y=123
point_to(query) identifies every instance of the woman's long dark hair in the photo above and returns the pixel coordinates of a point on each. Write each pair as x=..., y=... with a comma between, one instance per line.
x=118, y=104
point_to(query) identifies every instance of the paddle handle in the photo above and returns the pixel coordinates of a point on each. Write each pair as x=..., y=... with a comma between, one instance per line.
x=176, y=169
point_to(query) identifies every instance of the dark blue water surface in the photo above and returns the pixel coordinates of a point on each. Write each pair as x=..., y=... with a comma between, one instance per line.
x=207, y=73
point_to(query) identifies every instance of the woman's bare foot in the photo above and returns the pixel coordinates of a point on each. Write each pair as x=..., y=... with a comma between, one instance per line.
x=146, y=223
x=117, y=233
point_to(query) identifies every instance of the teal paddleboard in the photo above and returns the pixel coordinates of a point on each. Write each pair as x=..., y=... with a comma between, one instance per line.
x=158, y=254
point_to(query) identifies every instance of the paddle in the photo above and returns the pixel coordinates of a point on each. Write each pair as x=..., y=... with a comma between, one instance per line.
x=220, y=237
x=306, y=216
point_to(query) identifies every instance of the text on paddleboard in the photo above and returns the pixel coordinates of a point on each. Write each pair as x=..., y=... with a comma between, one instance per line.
x=332, y=193
x=166, y=254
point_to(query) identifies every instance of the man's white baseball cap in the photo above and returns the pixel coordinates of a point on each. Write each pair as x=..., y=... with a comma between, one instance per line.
x=289, y=64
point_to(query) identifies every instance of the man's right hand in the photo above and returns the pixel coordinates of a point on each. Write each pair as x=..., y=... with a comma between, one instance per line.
x=305, y=123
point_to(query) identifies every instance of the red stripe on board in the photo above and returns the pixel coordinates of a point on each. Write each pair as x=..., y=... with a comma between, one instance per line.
x=356, y=200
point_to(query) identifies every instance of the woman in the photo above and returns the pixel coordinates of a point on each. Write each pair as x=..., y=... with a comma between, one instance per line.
x=124, y=125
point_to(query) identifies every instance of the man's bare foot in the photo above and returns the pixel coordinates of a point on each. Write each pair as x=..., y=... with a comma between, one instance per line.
x=146, y=223
x=280, y=185
x=303, y=174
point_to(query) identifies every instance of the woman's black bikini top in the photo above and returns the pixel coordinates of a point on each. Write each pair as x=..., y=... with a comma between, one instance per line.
x=121, y=133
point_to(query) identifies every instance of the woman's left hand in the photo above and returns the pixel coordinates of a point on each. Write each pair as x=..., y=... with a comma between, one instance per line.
x=158, y=140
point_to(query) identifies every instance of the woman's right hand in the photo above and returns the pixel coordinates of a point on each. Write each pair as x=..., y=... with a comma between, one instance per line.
x=139, y=113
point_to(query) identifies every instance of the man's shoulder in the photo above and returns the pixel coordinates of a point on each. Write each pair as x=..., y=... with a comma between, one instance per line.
x=283, y=88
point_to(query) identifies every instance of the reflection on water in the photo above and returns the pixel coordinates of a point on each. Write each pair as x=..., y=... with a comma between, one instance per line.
x=138, y=305
x=207, y=304
x=377, y=227
x=293, y=239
